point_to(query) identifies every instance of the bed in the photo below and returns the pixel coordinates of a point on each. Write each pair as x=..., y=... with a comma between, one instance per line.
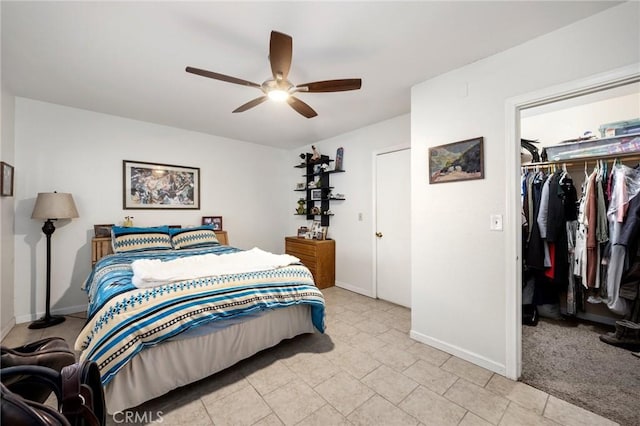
x=159, y=318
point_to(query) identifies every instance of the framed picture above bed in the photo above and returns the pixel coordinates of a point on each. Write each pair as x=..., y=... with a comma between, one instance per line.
x=159, y=186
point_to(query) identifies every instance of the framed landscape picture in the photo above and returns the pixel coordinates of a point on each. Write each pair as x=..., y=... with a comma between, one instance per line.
x=457, y=161
x=159, y=186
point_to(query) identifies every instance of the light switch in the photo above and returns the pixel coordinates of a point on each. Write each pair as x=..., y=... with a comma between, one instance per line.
x=496, y=222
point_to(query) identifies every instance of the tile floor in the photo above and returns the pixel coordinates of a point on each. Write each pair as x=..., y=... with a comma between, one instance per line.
x=364, y=371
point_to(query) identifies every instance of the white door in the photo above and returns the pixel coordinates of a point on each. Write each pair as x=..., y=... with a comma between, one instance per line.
x=393, y=227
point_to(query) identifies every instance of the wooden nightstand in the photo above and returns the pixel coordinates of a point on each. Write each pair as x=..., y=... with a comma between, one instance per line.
x=100, y=247
x=317, y=255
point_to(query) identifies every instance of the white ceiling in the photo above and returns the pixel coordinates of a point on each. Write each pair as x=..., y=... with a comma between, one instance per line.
x=128, y=58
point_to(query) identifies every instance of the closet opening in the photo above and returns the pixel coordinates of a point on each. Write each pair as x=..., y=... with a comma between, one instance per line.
x=580, y=247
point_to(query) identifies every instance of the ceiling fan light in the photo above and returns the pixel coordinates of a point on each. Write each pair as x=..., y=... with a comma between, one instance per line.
x=278, y=95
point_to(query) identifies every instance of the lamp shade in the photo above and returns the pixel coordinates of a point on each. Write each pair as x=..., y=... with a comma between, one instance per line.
x=54, y=205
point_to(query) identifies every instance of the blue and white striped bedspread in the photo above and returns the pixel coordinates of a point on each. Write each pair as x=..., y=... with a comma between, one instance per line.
x=124, y=319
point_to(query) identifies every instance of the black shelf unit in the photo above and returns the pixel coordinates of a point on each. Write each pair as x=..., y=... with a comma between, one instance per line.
x=322, y=176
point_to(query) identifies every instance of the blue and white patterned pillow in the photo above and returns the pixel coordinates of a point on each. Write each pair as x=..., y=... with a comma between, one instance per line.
x=126, y=239
x=199, y=236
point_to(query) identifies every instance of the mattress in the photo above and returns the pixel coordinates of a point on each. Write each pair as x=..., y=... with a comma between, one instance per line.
x=159, y=369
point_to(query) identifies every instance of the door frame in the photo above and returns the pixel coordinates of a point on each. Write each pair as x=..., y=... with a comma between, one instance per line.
x=374, y=216
x=513, y=237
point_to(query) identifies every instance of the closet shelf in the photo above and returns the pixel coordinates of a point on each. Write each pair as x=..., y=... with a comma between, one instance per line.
x=611, y=146
x=624, y=157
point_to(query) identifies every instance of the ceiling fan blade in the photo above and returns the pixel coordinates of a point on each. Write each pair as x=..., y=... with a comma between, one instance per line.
x=280, y=52
x=251, y=104
x=221, y=77
x=331, y=85
x=301, y=107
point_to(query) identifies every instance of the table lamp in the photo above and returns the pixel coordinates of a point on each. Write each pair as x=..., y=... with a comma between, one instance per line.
x=51, y=206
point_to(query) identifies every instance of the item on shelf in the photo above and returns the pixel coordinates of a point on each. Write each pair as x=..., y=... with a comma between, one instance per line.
x=301, y=208
x=594, y=147
x=316, y=155
x=300, y=185
x=328, y=212
x=316, y=194
x=315, y=210
x=324, y=167
x=618, y=128
x=303, y=156
x=311, y=185
x=302, y=231
x=339, y=156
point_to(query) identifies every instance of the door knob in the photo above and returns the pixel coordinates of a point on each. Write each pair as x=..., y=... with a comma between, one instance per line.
x=379, y=234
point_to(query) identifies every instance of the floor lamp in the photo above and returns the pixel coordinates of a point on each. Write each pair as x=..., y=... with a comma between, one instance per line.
x=51, y=206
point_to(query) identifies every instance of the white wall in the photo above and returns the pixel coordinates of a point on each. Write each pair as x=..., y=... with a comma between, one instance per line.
x=458, y=279
x=354, y=238
x=6, y=211
x=6, y=217
x=70, y=150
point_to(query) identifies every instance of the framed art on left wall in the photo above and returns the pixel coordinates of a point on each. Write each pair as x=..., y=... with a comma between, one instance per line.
x=6, y=179
x=159, y=186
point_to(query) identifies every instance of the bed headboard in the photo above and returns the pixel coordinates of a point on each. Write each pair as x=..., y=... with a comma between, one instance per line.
x=101, y=246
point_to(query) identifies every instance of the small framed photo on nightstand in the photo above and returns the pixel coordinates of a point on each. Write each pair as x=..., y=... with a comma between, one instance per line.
x=216, y=221
x=102, y=231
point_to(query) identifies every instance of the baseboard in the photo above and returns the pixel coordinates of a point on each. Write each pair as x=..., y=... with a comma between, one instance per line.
x=7, y=328
x=62, y=311
x=460, y=353
x=353, y=288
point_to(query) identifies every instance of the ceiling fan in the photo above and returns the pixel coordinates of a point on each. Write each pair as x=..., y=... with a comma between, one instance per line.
x=279, y=88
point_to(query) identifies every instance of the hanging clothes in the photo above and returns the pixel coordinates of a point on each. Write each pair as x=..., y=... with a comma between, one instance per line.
x=592, y=248
x=580, y=255
x=624, y=222
x=572, y=296
x=587, y=246
x=551, y=203
x=535, y=250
